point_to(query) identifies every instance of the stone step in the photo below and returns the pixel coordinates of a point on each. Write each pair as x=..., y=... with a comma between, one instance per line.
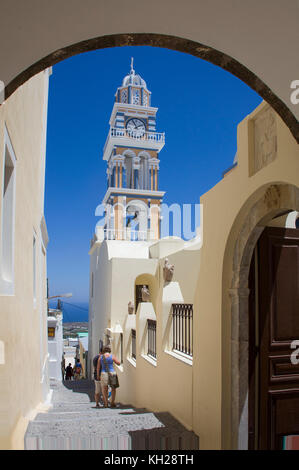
x=75, y=423
x=80, y=424
x=78, y=442
x=88, y=413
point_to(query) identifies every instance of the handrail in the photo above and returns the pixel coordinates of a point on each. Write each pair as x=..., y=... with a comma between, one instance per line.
x=127, y=235
x=123, y=133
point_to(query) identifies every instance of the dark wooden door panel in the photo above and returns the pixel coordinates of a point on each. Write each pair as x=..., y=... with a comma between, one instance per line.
x=282, y=369
x=278, y=288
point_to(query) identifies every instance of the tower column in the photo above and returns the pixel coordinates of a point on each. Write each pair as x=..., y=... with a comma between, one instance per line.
x=119, y=217
x=154, y=220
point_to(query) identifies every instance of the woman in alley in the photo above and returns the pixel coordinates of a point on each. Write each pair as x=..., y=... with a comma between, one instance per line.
x=69, y=372
x=108, y=375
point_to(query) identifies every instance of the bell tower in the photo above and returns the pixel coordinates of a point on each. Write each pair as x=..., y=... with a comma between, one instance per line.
x=132, y=153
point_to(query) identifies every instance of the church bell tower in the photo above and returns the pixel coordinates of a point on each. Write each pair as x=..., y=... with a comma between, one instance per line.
x=132, y=152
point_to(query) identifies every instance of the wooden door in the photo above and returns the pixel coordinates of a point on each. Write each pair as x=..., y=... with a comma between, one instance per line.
x=274, y=380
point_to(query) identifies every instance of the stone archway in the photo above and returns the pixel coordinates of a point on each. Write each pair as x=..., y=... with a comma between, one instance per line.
x=179, y=44
x=275, y=199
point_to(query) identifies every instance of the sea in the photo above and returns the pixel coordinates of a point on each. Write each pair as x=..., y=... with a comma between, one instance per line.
x=72, y=312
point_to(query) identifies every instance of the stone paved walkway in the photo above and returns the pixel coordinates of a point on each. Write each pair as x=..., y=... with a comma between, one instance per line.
x=75, y=423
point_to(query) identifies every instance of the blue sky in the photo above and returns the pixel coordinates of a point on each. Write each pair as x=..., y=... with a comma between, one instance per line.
x=199, y=105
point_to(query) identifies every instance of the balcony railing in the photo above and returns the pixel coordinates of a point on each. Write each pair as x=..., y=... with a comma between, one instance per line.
x=128, y=235
x=145, y=136
x=182, y=328
x=137, y=135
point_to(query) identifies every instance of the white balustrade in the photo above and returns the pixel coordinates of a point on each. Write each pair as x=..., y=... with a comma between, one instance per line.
x=135, y=135
x=127, y=235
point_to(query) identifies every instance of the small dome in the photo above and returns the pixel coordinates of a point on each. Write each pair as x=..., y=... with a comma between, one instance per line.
x=133, y=79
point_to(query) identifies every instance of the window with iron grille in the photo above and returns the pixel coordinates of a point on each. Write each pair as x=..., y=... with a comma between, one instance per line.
x=182, y=328
x=121, y=348
x=151, y=338
x=133, y=352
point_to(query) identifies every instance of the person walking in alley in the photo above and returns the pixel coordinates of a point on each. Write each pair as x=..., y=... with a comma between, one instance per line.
x=78, y=370
x=69, y=372
x=63, y=367
x=105, y=365
x=97, y=394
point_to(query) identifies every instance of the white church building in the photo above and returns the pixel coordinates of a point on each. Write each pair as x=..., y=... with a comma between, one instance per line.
x=185, y=317
x=141, y=300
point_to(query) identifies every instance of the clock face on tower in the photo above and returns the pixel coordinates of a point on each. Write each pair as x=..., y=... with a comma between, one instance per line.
x=136, y=126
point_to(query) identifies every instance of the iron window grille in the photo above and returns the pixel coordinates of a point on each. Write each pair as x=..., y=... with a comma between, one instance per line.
x=182, y=328
x=121, y=349
x=151, y=338
x=133, y=334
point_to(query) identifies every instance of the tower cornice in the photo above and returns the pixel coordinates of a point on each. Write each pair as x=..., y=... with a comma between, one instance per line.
x=131, y=109
x=132, y=193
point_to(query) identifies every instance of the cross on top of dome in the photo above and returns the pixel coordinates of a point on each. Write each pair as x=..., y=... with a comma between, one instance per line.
x=132, y=62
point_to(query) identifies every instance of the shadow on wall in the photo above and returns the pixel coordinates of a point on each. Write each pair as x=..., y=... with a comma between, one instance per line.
x=172, y=435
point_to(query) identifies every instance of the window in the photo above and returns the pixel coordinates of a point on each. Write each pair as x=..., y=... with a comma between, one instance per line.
x=133, y=337
x=8, y=214
x=91, y=285
x=145, y=99
x=182, y=328
x=136, y=97
x=34, y=267
x=151, y=338
x=121, y=348
x=124, y=96
x=144, y=173
x=129, y=171
x=51, y=332
x=138, y=294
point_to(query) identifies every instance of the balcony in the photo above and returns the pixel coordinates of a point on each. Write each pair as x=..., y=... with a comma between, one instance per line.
x=129, y=138
x=128, y=235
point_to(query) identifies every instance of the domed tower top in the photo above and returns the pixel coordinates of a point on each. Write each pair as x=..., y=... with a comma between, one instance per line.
x=133, y=90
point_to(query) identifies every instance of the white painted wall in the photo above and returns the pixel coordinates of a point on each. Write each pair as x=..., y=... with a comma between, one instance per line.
x=55, y=346
x=23, y=319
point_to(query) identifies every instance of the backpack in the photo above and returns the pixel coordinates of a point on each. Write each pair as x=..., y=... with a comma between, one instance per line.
x=95, y=361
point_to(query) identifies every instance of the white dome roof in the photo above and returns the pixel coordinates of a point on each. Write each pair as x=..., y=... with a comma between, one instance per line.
x=133, y=79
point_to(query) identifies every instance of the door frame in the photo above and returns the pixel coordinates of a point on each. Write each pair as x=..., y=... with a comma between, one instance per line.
x=270, y=201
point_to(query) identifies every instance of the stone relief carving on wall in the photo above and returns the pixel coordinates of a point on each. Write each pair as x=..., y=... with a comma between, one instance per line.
x=145, y=294
x=168, y=270
x=265, y=139
x=130, y=308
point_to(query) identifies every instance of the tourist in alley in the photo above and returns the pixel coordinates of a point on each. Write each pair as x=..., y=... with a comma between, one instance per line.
x=97, y=382
x=107, y=375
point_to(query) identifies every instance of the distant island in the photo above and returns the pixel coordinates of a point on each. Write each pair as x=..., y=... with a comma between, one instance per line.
x=71, y=329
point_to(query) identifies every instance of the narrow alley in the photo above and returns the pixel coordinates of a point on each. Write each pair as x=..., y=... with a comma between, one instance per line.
x=74, y=423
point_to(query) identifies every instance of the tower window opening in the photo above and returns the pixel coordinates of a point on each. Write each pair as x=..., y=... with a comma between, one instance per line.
x=8, y=211
x=34, y=266
x=129, y=172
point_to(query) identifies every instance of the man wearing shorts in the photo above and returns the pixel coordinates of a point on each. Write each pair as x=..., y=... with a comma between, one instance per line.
x=105, y=367
x=97, y=382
